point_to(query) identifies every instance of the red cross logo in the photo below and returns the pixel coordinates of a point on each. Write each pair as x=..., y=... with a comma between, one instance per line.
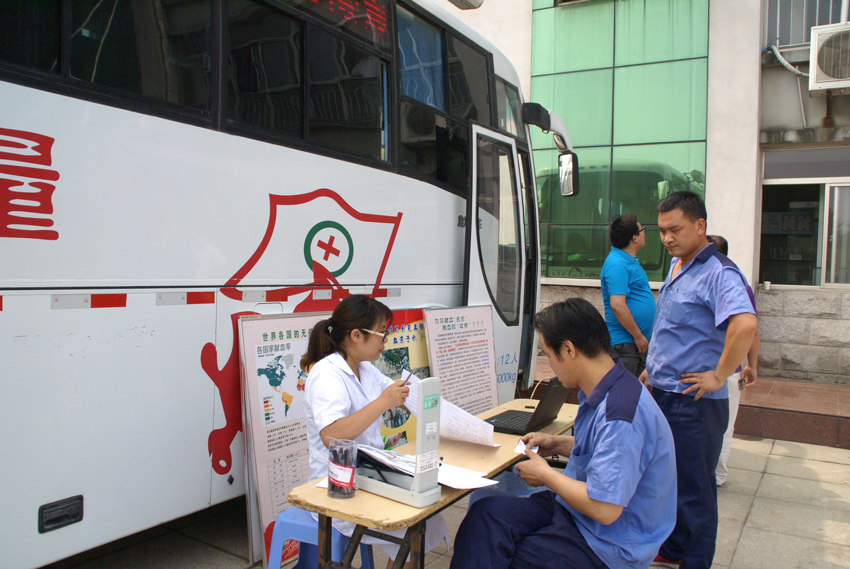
x=319, y=244
x=328, y=248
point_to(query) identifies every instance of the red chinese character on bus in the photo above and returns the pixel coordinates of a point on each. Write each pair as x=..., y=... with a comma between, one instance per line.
x=25, y=188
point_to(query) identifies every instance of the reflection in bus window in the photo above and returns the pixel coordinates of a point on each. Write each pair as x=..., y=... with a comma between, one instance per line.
x=346, y=96
x=469, y=86
x=498, y=226
x=576, y=251
x=366, y=19
x=508, y=109
x=420, y=60
x=264, y=56
x=574, y=232
x=158, y=50
x=31, y=32
x=434, y=147
x=638, y=185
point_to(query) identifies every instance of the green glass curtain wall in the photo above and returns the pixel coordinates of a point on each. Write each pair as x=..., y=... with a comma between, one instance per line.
x=629, y=79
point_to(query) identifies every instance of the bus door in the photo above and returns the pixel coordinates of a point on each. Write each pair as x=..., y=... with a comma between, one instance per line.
x=495, y=245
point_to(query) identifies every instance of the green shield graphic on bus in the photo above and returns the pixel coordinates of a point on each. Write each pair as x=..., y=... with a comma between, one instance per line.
x=330, y=244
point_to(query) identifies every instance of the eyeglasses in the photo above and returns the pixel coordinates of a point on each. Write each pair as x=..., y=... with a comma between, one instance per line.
x=642, y=229
x=382, y=334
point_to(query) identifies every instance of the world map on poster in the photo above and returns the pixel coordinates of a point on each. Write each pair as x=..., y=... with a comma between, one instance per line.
x=281, y=381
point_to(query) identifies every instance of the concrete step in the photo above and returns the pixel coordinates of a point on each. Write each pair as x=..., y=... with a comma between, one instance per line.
x=796, y=411
x=774, y=408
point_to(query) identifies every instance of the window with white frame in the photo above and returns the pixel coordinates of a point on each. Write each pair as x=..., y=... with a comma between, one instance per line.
x=805, y=218
x=837, y=257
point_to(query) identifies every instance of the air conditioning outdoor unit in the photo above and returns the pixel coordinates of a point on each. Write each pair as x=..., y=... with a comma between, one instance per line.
x=467, y=4
x=829, y=60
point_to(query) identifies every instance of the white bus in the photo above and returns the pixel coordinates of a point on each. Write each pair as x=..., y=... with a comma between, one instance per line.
x=168, y=165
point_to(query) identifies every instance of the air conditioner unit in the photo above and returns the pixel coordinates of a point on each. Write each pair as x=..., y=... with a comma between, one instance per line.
x=829, y=60
x=467, y=4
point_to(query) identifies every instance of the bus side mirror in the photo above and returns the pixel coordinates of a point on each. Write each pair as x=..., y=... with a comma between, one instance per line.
x=568, y=174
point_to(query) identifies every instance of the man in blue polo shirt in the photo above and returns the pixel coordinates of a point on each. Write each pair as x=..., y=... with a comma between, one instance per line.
x=629, y=304
x=615, y=502
x=704, y=326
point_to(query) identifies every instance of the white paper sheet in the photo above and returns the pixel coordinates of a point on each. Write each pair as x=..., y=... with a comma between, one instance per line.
x=462, y=478
x=520, y=447
x=455, y=423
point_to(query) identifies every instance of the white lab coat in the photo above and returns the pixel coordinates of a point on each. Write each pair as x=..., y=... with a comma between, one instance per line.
x=333, y=392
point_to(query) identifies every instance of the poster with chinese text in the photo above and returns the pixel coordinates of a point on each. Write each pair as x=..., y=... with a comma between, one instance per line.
x=406, y=348
x=462, y=352
x=273, y=391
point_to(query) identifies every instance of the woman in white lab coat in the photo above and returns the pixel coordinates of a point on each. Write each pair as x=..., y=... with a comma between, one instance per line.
x=346, y=395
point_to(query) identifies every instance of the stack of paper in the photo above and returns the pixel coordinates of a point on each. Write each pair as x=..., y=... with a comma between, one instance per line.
x=455, y=423
x=447, y=475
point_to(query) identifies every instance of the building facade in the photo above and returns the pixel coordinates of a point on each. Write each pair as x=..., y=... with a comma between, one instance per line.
x=663, y=95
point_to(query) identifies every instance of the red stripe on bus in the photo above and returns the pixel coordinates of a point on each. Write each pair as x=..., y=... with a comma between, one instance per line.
x=1, y=304
x=108, y=300
x=280, y=295
x=200, y=297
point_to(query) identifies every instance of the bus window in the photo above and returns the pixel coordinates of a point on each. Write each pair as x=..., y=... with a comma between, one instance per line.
x=264, y=60
x=469, y=86
x=498, y=227
x=31, y=32
x=158, y=50
x=366, y=20
x=434, y=147
x=508, y=109
x=420, y=60
x=346, y=87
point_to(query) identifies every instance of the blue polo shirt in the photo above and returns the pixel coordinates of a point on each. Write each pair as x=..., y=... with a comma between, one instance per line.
x=624, y=452
x=622, y=274
x=692, y=317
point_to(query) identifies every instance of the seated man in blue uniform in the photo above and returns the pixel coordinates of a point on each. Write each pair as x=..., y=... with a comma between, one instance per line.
x=615, y=503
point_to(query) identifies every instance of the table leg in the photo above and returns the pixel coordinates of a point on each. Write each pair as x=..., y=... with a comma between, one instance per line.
x=325, y=529
x=416, y=535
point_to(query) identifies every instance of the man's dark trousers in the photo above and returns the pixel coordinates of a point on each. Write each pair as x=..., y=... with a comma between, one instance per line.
x=698, y=428
x=628, y=355
x=533, y=532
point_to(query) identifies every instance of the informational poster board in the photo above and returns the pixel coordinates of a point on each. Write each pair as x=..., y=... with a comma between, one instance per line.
x=461, y=346
x=406, y=348
x=273, y=387
x=273, y=396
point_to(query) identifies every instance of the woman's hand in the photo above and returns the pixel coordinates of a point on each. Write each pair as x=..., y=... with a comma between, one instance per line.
x=394, y=396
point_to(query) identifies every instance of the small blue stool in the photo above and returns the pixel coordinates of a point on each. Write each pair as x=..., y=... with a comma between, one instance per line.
x=295, y=523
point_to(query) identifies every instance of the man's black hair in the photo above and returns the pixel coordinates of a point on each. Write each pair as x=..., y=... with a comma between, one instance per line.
x=576, y=320
x=623, y=229
x=722, y=244
x=690, y=203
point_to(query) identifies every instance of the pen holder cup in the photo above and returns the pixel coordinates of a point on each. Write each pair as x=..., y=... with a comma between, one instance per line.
x=342, y=462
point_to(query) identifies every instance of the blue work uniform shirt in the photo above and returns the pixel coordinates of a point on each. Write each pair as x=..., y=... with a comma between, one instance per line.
x=624, y=452
x=622, y=274
x=691, y=320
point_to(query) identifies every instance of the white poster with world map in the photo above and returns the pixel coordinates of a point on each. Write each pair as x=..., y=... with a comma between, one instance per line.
x=273, y=396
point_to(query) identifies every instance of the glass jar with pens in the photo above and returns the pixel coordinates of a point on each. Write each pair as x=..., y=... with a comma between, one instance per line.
x=342, y=462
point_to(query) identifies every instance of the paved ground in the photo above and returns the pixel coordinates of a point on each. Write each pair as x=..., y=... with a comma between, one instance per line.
x=784, y=505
